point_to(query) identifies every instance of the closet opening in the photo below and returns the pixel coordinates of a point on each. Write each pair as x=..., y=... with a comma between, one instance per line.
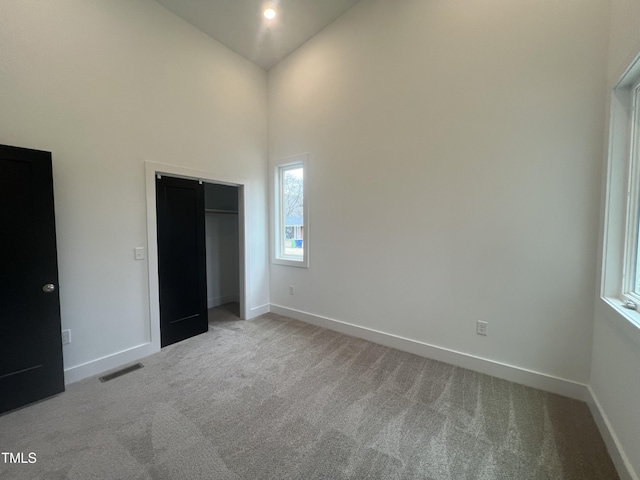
x=222, y=276
x=222, y=241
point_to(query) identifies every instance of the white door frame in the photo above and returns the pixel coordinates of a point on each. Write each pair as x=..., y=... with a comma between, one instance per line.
x=153, y=169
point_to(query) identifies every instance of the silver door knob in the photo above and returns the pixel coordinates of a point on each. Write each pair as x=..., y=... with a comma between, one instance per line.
x=49, y=288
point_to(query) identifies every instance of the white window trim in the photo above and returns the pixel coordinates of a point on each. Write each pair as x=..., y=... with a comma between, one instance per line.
x=622, y=198
x=631, y=229
x=276, y=213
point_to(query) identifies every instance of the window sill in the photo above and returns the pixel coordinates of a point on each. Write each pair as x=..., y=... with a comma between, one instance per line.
x=625, y=319
x=291, y=263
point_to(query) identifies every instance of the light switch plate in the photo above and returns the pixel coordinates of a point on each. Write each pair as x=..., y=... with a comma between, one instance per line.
x=139, y=253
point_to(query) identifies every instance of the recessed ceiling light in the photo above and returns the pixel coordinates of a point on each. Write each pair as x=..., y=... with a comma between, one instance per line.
x=269, y=13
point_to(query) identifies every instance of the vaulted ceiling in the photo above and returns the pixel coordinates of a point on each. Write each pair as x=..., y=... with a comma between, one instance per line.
x=241, y=26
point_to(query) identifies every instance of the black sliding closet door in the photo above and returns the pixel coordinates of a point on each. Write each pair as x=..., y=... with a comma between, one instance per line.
x=30, y=342
x=181, y=259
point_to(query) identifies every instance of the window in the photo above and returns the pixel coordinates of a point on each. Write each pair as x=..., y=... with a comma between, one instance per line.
x=290, y=225
x=621, y=252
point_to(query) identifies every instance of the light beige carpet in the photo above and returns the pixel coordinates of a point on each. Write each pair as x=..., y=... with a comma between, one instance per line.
x=274, y=398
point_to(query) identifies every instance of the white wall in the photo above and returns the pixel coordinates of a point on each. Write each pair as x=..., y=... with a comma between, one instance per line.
x=454, y=168
x=615, y=372
x=222, y=259
x=106, y=85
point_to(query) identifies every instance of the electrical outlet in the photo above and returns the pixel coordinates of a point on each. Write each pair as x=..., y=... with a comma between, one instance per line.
x=292, y=290
x=66, y=337
x=481, y=327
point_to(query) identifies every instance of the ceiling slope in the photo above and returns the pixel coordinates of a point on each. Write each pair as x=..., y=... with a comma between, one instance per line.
x=240, y=25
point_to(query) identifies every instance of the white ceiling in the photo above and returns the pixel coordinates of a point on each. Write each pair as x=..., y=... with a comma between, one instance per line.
x=240, y=25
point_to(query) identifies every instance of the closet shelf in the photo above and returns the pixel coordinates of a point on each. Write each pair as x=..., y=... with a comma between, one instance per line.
x=216, y=210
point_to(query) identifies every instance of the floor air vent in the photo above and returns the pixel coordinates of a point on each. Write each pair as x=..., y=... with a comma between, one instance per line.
x=121, y=372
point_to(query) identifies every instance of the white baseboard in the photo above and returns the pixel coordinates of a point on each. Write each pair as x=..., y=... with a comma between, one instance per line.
x=257, y=311
x=217, y=301
x=530, y=378
x=100, y=365
x=619, y=458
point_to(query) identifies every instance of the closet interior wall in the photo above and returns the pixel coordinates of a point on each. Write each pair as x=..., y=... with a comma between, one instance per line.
x=222, y=244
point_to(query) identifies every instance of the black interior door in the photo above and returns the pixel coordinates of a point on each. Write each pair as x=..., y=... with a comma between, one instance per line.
x=30, y=341
x=181, y=259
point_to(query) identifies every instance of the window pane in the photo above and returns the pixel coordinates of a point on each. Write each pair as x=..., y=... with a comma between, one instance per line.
x=293, y=211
